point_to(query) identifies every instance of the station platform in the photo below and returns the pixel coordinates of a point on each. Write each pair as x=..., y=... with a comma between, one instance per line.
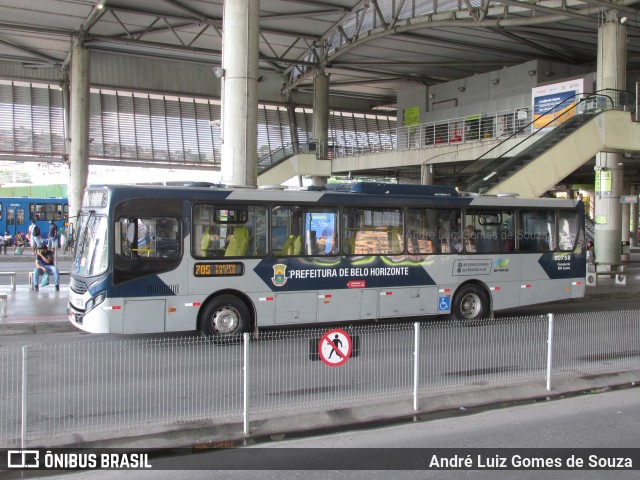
x=44, y=311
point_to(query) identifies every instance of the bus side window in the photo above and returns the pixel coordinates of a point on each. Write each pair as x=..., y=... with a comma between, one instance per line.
x=537, y=231
x=378, y=231
x=284, y=229
x=568, y=223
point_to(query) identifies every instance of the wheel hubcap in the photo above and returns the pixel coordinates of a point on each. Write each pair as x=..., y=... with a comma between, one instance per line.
x=226, y=320
x=471, y=305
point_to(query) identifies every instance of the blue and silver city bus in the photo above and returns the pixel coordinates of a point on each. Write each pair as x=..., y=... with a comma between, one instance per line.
x=225, y=261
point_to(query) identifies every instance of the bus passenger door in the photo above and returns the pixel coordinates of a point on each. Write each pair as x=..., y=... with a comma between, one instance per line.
x=144, y=316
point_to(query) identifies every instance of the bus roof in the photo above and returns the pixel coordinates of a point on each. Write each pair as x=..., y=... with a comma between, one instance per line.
x=355, y=193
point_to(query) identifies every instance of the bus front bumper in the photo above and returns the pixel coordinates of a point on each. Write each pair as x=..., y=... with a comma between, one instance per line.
x=96, y=321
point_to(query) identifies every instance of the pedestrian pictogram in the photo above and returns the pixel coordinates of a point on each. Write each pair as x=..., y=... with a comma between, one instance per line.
x=335, y=347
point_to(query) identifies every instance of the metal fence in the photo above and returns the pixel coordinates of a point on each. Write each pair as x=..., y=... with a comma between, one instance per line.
x=91, y=390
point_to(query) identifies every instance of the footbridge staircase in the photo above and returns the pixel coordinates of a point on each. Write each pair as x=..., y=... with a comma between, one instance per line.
x=534, y=165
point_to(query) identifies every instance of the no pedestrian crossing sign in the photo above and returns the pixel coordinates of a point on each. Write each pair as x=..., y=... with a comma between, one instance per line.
x=335, y=347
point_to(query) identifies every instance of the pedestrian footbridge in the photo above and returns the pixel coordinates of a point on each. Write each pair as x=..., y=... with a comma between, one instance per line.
x=529, y=162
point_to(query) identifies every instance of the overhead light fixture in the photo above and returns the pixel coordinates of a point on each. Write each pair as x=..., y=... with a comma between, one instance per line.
x=218, y=72
x=495, y=81
x=532, y=72
x=461, y=89
x=390, y=107
x=549, y=73
x=432, y=95
x=623, y=20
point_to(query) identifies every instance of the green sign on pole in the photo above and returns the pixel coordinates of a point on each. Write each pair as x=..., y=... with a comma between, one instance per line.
x=603, y=182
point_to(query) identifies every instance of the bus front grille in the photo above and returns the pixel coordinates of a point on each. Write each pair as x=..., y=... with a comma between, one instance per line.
x=77, y=286
x=163, y=289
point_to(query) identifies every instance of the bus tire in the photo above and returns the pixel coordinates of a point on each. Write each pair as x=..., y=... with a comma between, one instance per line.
x=470, y=302
x=225, y=315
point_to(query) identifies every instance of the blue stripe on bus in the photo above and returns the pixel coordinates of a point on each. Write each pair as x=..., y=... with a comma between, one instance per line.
x=148, y=286
x=300, y=274
x=564, y=264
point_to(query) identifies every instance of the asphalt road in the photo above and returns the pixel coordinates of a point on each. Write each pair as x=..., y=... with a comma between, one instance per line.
x=603, y=420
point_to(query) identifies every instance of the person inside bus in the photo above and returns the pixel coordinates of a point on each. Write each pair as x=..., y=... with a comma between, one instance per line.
x=469, y=237
x=326, y=240
x=44, y=263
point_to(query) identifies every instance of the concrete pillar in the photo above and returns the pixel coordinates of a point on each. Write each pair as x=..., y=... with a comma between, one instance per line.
x=66, y=111
x=240, y=92
x=320, y=120
x=612, y=38
x=608, y=211
x=625, y=212
x=79, y=131
x=426, y=174
x=634, y=217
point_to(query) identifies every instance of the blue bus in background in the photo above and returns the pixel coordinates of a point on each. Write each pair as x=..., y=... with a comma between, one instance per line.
x=16, y=214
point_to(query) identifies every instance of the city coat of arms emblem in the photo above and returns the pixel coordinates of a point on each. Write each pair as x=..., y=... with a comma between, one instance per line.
x=279, y=275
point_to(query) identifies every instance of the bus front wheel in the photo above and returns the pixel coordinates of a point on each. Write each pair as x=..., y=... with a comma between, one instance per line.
x=225, y=315
x=470, y=302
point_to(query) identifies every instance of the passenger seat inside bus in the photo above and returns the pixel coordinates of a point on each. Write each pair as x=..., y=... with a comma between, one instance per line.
x=297, y=245
x=287, y=248
x=205, y=242
x=238, y=243
x=395, y=240
x=292, y=246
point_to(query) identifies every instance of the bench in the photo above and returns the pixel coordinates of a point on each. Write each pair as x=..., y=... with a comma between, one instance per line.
x=60, y=273
x=12, y=275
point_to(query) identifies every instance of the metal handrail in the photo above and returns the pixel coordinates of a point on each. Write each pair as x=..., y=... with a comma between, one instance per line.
x=268, y=160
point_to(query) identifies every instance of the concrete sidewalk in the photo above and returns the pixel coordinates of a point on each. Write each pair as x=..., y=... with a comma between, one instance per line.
x=29, y=311
x=45, y=311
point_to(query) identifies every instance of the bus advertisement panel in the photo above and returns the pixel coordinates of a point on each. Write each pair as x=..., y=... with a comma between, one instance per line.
x=553, y=104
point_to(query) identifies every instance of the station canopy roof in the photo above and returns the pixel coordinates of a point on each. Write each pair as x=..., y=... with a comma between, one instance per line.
x=371, y=48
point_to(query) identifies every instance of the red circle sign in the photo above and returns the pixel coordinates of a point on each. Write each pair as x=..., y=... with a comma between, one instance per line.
x=334, y=348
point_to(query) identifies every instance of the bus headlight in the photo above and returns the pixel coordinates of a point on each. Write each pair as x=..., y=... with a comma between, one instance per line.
x=95, y=301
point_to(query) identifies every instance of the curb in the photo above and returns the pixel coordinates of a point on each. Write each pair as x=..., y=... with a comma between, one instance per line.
x=24, y=328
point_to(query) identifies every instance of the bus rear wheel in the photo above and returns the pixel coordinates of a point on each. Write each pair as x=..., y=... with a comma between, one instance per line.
x=470, y=302
x=225, y=315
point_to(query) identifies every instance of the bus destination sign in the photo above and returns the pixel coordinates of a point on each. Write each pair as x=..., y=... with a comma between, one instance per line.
x=228, y=269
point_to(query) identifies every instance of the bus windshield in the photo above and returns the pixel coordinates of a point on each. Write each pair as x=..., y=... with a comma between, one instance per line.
x=91, y=254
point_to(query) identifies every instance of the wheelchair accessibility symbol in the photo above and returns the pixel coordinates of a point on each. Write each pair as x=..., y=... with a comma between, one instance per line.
x=444, y=304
